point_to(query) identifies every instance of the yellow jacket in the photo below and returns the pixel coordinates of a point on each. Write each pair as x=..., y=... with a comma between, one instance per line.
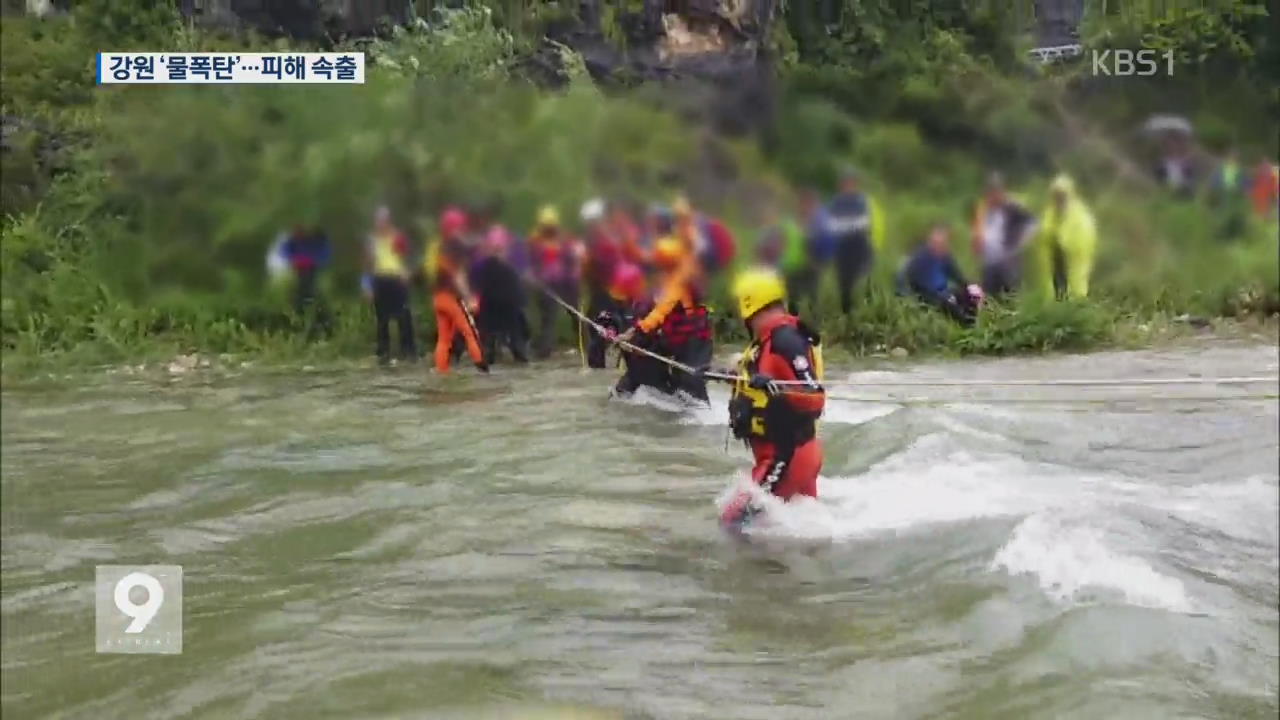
x=1074, y=233
x=877, y=224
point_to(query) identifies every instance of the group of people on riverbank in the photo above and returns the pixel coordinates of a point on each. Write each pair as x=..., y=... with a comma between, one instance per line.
x=643, y=274
x=1007, y=237
x=483, y=276
x=480, y=275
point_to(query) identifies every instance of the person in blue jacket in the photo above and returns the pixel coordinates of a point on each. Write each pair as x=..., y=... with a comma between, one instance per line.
x=931, y=275
x=848, y=222
x=307, y=251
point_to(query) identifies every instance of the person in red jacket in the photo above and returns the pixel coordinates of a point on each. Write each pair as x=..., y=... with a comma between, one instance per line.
x=707, y=237
x=777, y=421
x=554, y=261
x=634, y=301
x=630, y=238
x=602, y=257
x=1264, y=189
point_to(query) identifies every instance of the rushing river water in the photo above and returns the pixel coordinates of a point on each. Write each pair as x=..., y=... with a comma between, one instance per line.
x=372, y=544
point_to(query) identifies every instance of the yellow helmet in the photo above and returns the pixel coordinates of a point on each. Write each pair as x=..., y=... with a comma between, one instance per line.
x=548, y=216
x=756, y=290
x=680, y=207
x=668, y=252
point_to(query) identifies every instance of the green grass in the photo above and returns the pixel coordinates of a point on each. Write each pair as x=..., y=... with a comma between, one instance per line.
x=136, y=219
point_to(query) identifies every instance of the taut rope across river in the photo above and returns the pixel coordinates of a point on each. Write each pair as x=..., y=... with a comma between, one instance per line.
x=1048, y=382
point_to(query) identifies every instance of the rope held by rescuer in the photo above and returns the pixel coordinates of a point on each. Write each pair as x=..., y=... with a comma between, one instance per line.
x=1049, y=382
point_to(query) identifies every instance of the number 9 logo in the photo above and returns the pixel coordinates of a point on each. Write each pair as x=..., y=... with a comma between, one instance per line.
x=142, y=614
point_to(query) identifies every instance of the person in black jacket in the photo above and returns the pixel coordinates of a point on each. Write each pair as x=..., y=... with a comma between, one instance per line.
x=632, y=301
x=501, y=318
x=931, y=274
x=1002, y=228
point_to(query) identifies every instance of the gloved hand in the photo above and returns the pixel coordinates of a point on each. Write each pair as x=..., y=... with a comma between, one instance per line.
x=626, y=336
x=764, y=382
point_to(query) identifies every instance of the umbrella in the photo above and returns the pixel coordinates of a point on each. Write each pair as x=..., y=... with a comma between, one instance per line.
x=1167, y=123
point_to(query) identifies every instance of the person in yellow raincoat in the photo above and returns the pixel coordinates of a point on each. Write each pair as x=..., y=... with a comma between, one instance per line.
x=1068, y=241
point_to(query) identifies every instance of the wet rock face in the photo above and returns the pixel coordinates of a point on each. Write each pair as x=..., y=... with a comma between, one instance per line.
x=720, y=43
x=723, y=42
x=300, y=18
x=1058, y=22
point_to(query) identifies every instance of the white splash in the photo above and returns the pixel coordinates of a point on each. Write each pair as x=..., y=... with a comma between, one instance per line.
x=801, y=518
x=1072, y=563
x=1077, y=534
x=645, y=396
x=934, y=482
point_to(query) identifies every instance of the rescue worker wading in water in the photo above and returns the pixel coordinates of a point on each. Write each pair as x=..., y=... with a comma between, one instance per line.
x=778, y=422
x=680, y=316
x=452, y=298
x=633, y=301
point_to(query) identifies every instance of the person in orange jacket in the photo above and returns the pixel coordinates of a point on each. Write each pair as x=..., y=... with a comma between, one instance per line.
x=680, y=317
x=778, y=422
x=451, y=298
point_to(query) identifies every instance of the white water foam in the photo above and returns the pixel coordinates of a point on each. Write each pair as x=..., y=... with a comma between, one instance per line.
x=1078, y=535
x=1248, y=510
x=645, y=396
x=1072, y=563
x=929, y=483
x=802, y=518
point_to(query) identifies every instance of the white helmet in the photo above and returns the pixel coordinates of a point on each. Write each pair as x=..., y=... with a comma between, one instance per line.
x=592, y=210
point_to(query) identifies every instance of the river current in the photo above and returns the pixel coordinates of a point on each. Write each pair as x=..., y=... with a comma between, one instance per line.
x=366, y=544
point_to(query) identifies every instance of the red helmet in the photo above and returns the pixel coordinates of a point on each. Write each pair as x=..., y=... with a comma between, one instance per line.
x=497, y=239
x=452, y=221
x=628, y=279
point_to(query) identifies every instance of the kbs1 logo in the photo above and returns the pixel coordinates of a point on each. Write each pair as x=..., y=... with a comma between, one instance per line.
x=138, y=609
x=1131, y=63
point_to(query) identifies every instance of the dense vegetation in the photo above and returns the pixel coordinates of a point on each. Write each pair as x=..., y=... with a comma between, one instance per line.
x=136, y=218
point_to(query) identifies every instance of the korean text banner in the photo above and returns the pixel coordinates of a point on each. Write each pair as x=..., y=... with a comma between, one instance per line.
x=160, y=68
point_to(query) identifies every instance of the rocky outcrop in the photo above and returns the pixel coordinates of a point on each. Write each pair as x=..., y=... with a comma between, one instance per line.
x=1058, y=22
x=300, y=18
x=723, y=44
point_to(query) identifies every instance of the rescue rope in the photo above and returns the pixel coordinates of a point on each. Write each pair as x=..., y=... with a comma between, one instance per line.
x=602, y=332
x=1077, y=382
x=1070, y=382
x=937, y=402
